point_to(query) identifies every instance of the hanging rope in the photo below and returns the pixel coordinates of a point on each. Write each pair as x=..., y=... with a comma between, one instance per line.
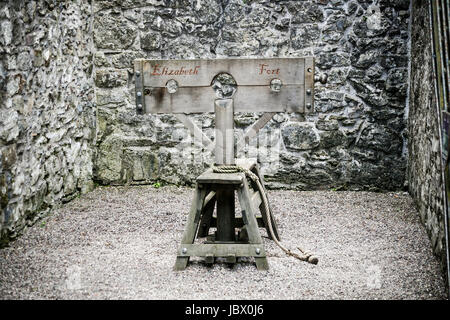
x=305, y=255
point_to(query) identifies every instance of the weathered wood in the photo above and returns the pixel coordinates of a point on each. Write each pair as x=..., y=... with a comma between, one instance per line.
x=210, y=197
x=220, y=178
x=246, y=72
x=209, y=258
x=231, y=258
x=191, y=225
x=196, y=132
x=222, y=250
x=252, y=226
x=207, y=216
x=224, y=151
x=254, y=129
x=181, y=263
x=248, y=213
x=255, y=198
x=239, y=222
x=246, y=99
x=194, y=215
x=225, y=215
x=261, y=263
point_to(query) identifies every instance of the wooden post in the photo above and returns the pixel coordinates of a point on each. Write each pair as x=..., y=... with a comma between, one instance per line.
x=224, y=155
x=224, y=152
x=225, y=214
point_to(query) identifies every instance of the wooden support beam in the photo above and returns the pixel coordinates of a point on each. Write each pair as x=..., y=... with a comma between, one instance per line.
x=191, y=226
x=225, y=215
x=196, y=132
x=221, y=250
x=207, y=215
x=254, y=129
x=224, y=152
x=248, y=214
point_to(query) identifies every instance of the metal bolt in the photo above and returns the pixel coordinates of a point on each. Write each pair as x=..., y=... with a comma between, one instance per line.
x=139, y=106
x=184, y=250
x=258, y=251
x=308, y=105
x=139, y=94
x=308, y=91
x=138, y=73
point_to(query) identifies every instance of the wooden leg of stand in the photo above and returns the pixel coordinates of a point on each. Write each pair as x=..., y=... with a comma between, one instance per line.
x=225, y=215
x=207, y=213
x=191, y=226
x=249, y=217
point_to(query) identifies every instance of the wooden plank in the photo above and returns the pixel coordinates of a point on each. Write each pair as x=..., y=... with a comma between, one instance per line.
x=210, y=197
x=246, y=99
x=254, y=129
x=181, y=263
x=261, y=263
x=255, y=198
x=209, y=258
x=207, y=216
x=224, y=150
x=252, y=226
x=191, y=226
x=249, y=212
x=220, y=178
x=231, y=258
x=194, y=216
x=262, y=99
x=221, y=250
x=196, y=132
x=200, y=72
x=185, y=100
x=239, y=222
x=225, y=215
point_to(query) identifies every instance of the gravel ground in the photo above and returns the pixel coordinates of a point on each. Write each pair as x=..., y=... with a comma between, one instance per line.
x=120, y=243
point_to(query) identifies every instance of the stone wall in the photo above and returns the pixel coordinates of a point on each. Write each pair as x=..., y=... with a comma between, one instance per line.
x=356, y=138
x=47, y=117
x=67, y=112
x=424, y=154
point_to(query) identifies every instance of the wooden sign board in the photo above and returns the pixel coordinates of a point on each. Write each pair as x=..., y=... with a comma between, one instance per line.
x=253, y=77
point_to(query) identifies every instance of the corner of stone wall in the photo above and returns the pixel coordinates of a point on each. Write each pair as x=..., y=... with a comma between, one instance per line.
x=47, y=111
x=424, y=154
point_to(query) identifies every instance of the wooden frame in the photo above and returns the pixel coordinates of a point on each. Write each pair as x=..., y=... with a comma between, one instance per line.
x=183, y=87
x=201, y=219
